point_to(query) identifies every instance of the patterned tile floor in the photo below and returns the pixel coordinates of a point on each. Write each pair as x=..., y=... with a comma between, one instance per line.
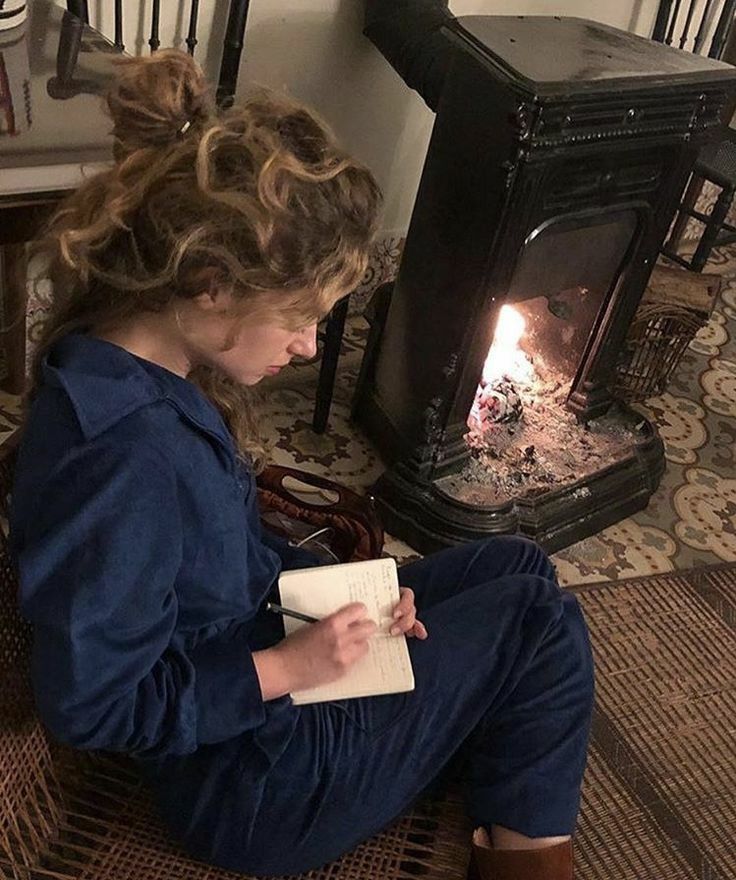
x=10, y=417
x=691, y=519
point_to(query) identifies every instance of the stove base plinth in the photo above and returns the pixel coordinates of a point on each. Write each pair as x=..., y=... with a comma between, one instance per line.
x=427, y=518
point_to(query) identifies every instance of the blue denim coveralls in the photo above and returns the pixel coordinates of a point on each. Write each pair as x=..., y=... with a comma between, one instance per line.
x=143, y=569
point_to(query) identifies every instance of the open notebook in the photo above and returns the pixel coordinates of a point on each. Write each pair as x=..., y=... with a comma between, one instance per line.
x=386, y=668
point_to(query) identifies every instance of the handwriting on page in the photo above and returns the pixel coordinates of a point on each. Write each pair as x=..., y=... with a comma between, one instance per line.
x=373, y=589
x=386, y=668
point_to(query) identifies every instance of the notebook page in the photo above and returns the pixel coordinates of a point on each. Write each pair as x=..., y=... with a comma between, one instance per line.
x=386, y=668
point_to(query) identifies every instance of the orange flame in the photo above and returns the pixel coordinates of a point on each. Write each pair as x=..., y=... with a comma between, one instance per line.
x=505, y=358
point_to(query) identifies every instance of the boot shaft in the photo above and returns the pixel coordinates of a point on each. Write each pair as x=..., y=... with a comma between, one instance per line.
x=550, y=863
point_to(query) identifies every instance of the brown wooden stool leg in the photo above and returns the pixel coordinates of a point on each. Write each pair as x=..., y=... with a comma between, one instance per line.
x=13, y=275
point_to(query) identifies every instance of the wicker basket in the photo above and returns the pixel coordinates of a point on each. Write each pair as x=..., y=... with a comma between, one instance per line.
x=675, y=306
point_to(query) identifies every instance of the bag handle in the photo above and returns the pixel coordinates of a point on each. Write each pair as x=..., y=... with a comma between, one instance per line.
x=273, y=476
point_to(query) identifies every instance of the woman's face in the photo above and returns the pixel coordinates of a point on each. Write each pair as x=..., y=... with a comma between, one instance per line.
x=264, y=350
x=245, y=351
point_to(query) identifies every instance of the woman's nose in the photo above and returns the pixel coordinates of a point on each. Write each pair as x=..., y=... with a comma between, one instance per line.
x=305, y=342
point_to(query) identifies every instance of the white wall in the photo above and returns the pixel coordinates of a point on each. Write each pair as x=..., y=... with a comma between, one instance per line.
x=315, y=50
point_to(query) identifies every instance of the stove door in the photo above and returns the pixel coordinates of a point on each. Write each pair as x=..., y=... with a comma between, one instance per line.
x=567, y=274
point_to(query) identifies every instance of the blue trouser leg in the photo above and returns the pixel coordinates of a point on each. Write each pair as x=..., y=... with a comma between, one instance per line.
x=506, y=673
x=441, y=575
x=547, y=700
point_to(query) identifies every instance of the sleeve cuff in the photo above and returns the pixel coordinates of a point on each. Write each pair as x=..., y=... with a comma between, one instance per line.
x=227, y=689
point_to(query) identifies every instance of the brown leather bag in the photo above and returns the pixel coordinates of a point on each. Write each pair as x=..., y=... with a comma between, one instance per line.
x=346, y=529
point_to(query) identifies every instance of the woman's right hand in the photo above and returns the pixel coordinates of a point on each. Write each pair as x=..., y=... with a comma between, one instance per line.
x=315, y=654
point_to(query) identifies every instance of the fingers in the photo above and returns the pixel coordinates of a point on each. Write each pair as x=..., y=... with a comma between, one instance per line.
x=405, y=603
x=417, y=628
x=405, y=613
x=405, y=623
x=352, y=620
x=362, y=630
x=348, y=614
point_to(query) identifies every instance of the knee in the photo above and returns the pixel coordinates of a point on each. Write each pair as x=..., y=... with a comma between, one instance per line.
x=520, y=555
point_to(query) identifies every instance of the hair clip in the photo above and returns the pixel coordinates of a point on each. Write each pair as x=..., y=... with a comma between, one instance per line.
x=185, y=128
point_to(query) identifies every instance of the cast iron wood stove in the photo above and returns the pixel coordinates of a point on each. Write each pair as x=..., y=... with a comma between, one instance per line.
x=559, y=153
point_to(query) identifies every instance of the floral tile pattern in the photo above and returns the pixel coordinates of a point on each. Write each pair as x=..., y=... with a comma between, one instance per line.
x=690, y=519
x=704, y=204
x=10, y=415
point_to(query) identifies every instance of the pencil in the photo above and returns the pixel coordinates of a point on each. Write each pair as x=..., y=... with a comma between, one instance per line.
x=288, y=612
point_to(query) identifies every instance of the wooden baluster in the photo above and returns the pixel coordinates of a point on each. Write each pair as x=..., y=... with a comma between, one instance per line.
x=232, y=48
x=722, y=29
x=684, y=36
x=154, y=42
x=673, y=22
x=192, y=35
x=700, y=36
x=119, y=45
x=663, y=16
x=79, y=8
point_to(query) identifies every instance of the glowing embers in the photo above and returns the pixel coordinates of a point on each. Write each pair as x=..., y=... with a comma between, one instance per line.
x=506, y=369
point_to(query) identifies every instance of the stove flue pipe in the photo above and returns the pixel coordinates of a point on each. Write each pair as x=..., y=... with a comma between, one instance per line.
x=409, y=34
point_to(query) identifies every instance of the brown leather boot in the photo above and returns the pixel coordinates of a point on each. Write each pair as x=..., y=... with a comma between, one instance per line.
x=550, y=863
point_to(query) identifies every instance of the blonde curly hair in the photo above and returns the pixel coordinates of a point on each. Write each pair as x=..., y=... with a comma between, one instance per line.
x=259, y=198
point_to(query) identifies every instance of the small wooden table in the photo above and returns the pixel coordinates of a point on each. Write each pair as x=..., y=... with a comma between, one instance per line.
x=53, y=133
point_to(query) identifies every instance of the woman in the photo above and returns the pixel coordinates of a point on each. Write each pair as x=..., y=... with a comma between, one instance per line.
x=195, y=266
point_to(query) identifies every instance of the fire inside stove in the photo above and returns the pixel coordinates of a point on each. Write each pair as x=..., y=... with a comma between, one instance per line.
x=524, y=441
x=506, y=372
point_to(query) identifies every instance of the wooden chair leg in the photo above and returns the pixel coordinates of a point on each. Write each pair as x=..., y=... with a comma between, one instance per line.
x=376, y=313
x=328, y=368
x=718, y=214
x=689, y=200
x=13, y=275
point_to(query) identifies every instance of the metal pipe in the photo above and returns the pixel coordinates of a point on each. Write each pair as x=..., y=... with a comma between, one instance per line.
x=673, y=22
x=663, y=16
x=119, y=25
x=79, y=9
x=700, y=36
x=688, y=21
x=413, y=36
x=192, y=35
x=154, y=42
x=232, y=47
x=722, y=30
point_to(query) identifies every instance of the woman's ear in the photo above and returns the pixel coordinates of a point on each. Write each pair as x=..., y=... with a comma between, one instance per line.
x=214, y=299
x=213, y=296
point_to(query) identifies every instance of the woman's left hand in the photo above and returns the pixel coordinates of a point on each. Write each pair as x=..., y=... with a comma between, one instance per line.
x=405, y=616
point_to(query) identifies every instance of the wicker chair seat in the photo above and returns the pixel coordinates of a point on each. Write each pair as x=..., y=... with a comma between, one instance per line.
x=124, y=840
x=79, y=816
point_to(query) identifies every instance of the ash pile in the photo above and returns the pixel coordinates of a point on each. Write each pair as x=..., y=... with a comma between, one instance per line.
x=525, y=442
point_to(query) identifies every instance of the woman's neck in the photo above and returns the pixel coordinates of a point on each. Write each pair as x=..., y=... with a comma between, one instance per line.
x=151, y=337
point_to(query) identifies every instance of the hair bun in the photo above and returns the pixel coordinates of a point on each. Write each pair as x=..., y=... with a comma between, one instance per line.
x=153, y=98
